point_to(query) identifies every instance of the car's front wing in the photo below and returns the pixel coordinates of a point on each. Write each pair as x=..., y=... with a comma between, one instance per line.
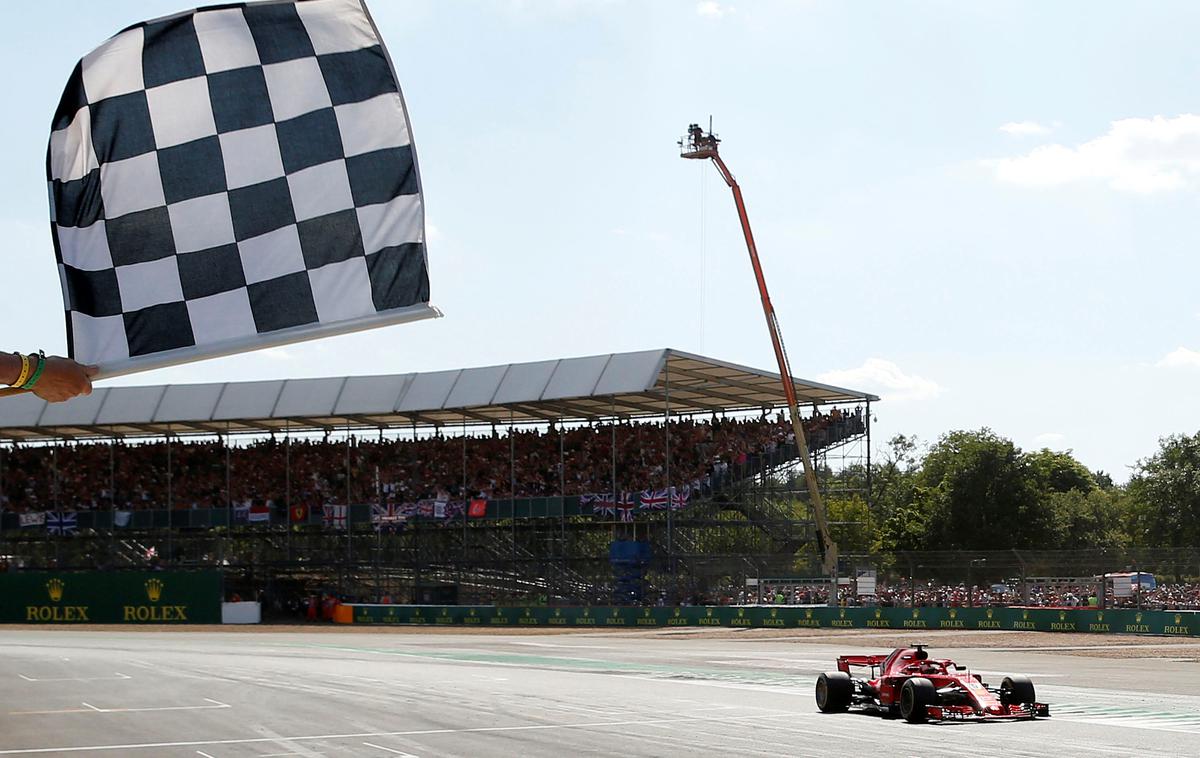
x=967, y=713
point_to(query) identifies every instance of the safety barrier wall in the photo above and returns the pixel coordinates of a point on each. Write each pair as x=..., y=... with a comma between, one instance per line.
x=118, y=597
x=1120, y=621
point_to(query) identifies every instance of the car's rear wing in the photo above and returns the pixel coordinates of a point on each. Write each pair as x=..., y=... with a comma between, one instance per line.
x=844, y=662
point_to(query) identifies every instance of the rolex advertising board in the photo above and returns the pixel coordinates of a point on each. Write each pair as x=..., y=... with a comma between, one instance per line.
x=118, y=597
x=1121, y=621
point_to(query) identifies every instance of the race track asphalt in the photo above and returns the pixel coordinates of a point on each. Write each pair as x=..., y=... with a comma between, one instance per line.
x=225, y=694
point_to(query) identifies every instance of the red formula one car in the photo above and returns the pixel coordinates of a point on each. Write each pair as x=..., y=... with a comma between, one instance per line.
x=908, y=683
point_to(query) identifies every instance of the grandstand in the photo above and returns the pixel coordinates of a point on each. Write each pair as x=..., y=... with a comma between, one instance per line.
x=629, y=477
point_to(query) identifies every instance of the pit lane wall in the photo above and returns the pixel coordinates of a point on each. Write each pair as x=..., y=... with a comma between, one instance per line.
x=124, y=597
x=904, y=619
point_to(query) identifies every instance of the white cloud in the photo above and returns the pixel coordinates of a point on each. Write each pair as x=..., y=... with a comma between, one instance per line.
x=1049, y=439
x=1180, y=357
x=1136, y=155
x=712, y=9
x=1022, y=128
x=886, y=379
x=432, y=232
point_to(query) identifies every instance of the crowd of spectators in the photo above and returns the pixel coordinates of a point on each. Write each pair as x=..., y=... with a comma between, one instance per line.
x=1172, y=596
x=1166, y=596
x=529, y=462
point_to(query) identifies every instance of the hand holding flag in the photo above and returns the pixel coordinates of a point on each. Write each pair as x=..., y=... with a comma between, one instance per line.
x=60, y=378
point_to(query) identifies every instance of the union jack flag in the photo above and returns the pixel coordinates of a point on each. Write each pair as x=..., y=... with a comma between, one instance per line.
x=61, y=522
x=626, y=506
x=386, y=516
x=679, y=498
x=334, y=515
x=654, y=500
x=604, y=505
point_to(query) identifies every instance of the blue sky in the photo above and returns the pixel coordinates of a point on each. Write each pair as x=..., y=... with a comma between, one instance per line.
x=983, y=212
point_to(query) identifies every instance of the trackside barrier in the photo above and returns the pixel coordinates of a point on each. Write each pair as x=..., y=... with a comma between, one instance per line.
x=1120, y=621
x=117, y=597
x=241, y=613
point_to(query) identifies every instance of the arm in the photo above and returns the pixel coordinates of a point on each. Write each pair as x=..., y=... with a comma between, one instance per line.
x=61, y=378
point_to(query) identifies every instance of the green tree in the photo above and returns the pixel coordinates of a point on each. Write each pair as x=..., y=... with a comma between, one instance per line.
x=848, y=520
x=896, y=522
x=978, y=491
x=975, y=490
x=1165, y=489
x=1103, y=479
x=1059, y=472
x=906, y=525
x=1089, y=519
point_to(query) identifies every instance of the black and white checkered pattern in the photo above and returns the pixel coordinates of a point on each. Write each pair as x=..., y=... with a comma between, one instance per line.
x=231, y=174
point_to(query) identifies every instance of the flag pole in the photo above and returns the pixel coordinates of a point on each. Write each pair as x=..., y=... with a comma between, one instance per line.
x=667, y=471
x=466, y=496
x=287, y=486
x=112, y=497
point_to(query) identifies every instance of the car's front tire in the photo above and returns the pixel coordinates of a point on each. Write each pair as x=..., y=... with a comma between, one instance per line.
x=915, y=695
x=834, y=690
x=1017, y=690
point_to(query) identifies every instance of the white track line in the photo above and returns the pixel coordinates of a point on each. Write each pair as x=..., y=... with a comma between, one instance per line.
x=117, y=675
x=573, y=647
x=688, y=744
x=89, y=708
x=1133, y=722
x=390, y=750
x=360, y=735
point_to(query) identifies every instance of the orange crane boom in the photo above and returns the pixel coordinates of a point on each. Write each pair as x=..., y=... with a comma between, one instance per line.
x=702, y=145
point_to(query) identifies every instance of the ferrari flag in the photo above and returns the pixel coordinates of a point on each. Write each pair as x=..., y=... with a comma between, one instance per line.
x=232, y=178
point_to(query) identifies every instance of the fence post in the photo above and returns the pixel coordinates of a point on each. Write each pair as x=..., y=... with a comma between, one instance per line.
x=912, y=581
x=1024, y=584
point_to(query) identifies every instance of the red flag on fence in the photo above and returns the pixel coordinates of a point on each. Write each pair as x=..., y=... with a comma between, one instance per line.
x=299, y=513
x=478, y=508
x=260, y=512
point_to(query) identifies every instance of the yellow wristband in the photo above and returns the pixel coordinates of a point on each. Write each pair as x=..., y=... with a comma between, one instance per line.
x=24, y=371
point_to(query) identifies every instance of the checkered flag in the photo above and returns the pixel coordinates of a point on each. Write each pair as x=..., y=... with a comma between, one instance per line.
x=232, y=178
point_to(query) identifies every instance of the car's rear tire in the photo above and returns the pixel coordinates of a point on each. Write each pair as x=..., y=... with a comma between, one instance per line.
x=1017, y=690
x=915, y=695
x=834, y=690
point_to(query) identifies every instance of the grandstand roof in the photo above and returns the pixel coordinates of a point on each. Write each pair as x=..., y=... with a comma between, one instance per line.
x=571, y=389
